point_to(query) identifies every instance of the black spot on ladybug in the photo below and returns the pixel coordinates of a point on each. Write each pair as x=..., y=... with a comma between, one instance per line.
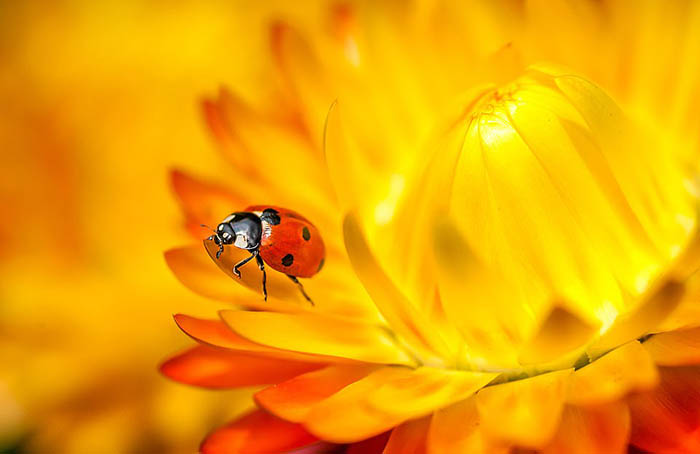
x=320, y=265
x=306, y=234
x=287, y=260
x=270, y=216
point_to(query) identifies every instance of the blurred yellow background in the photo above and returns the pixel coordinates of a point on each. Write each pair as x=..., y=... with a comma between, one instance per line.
x=100, y=100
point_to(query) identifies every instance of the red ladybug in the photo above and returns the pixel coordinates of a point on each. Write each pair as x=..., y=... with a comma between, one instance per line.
x=282, y=238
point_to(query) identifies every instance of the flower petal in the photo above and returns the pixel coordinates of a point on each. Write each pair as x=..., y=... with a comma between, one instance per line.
x=592, y=430
x=424, y=389
x=643, y=319
x=388, y=397
x=256, y=433
x=203, y=202
x=560, y=333
x=293, y=399
x=318, y=334
x=677, y=348
x=667, y=419
x=524, y=412
x=409, y=438
x=456, y=429
x=358, y=421
x=374, y=445
x=196, y=271
x=216, y=333
x=215, y=368
x=399, y=312
x=611, y=377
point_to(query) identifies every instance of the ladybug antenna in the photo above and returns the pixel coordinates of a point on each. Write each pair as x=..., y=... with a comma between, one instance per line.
x=220, y=242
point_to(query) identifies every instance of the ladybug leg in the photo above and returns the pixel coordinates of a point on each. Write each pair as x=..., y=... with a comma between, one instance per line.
x=261, y=265
x=240, y=264
x=301, y=288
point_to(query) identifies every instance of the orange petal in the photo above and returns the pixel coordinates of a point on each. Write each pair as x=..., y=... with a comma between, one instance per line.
x=592, y=430
x=216, y=333
x=293, y=399
x=387, y=397
x=203, y=202
x=626, y=369
x=422, y=390
x=456, y=429
x=374, y=445
x=667, y=419
x=677, y=348
x=256, y=433
x=345, y=418
x=196, y=271
x=524, y=412
x=318, y=334
x=214, y=368
x=409, y=438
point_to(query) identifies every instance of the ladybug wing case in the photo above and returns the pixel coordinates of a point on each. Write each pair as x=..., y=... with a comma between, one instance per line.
x=293, y=246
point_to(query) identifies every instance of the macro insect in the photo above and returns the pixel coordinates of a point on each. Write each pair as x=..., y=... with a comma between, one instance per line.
x=283, y=239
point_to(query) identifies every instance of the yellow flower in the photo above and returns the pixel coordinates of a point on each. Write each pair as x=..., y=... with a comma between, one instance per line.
x=511, y=256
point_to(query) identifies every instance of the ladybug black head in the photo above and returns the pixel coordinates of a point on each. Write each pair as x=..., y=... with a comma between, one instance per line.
x=225, y=234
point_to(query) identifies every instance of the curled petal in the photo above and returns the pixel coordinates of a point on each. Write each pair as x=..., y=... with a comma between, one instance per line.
x=611, y=377
x=592, y=430
x=257, y=433
x=293, y=399
x=524, y=412
x=214, y=368
x=318, y=334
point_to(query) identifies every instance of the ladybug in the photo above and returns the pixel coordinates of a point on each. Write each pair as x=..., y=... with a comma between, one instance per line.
x=283, y=239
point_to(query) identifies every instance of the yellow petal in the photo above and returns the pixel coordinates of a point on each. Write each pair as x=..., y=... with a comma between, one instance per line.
x=611, y=377
x=422, y=390
x=560, y=333
x=399, y=312
x=318, y=334
x=524, y=412
x=659, y=303
x=457, y=429
x=677, y=348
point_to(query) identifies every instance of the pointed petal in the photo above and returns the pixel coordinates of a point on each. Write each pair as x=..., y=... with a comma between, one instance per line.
x=359, y=421
x=456, y=429
x=318, y=334
x=667, y=419
x=409, y=438
x=592, y=430
x=524, y=412
x=388, y=397
x=560, y=333
x=677, y=348
x=624, y=370
x=256, y=433
x=293, y=399
x=399, y=312
x=216, y=333
x=422, y=390
x=196, y=271
x=214, y=368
